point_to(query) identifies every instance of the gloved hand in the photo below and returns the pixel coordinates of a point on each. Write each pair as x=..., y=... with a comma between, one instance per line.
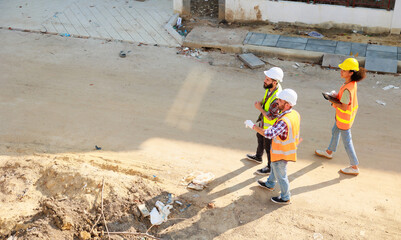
x=249, y=123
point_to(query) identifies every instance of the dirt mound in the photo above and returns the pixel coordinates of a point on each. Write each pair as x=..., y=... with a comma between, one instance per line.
x=55, y=199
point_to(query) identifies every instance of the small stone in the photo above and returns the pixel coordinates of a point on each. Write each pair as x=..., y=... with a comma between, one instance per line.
x=84, y=235
x=136, y=211
x=95, y=233
x=211, y=205
x=66, y=223
x=144, y=211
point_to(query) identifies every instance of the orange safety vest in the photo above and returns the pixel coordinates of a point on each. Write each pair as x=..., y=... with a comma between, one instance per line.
x=345, y=119
x=287, y=149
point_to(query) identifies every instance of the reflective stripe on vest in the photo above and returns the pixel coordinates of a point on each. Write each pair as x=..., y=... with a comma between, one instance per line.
x=266, y=122
x=287, y=149
x=345, y=119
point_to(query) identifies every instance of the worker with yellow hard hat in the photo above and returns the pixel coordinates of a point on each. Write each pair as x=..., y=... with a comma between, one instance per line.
x=346, y=105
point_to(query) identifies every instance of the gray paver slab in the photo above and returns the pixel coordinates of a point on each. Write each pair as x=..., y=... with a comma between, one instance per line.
x=399, y=50
x=291, y=45
x=322, y=42
x=293, y=39
x=359, y=48
x=256, y=39
x=270, y=40
x=382, y=48
x=381, y=65
x=399, y=57
x=332, y=60
x=320, y=48
x=251, y=60
x=248, y=36
x=343, y=48
x=378, y=54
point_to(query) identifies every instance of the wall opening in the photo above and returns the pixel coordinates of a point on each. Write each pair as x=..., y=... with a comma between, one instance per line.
x=205, y=8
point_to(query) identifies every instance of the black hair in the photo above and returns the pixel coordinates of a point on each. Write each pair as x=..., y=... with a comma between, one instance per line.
x=358, y=75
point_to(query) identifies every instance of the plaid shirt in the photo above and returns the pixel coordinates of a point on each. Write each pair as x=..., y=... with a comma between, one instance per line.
x=273, y=110
x=280, y=128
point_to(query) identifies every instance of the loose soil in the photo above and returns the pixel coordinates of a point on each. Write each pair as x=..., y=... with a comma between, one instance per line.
x=157, y=117
x=286, y=29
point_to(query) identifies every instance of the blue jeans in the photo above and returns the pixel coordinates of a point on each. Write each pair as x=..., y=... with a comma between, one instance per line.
x=279, y=172
x=347, y=141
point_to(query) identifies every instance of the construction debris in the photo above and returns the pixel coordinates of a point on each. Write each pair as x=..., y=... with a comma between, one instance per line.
x=159, y=213
x=390, y=87
x=190, y=52
x=144, y=210
x=381, y=102
x=198, y=180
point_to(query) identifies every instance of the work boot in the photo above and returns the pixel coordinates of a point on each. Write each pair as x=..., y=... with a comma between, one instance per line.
x=263, y=171
x=263, y=185
x=278, y=200
x=254, y=158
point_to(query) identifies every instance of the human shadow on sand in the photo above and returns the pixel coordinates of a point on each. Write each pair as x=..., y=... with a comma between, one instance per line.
x=233, y=215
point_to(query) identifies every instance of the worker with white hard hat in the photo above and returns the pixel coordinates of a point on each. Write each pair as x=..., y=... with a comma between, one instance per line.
x=285, y=139
x=268, y=108
x=346, y=105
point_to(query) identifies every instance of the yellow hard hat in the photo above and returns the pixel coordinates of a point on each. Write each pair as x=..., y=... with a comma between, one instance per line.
x=349, y=64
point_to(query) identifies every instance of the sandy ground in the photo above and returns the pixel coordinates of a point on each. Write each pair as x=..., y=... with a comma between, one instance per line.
x=159, y=116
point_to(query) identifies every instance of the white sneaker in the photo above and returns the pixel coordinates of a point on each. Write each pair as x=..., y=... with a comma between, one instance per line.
x=323, y=153
x=350, y=171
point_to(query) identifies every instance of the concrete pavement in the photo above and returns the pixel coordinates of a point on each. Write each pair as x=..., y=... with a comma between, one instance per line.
x=131, y=21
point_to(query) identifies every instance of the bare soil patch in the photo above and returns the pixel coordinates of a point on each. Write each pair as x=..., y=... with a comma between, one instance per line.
x=287, y=29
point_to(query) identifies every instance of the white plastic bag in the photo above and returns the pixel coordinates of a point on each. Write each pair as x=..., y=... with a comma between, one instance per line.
x=179, y=21
x=155, y=217
x=159, y=214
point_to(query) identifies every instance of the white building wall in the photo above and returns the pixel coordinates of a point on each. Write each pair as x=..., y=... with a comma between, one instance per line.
x=320, y=14
x=177, y=5
x=396, y=23
x=326, y=16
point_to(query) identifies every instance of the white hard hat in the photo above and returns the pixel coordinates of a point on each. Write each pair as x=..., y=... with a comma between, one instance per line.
x=289, y=96
x=275, y=73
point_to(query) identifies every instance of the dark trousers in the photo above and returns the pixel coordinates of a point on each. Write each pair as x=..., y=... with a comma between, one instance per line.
x=264, y=144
